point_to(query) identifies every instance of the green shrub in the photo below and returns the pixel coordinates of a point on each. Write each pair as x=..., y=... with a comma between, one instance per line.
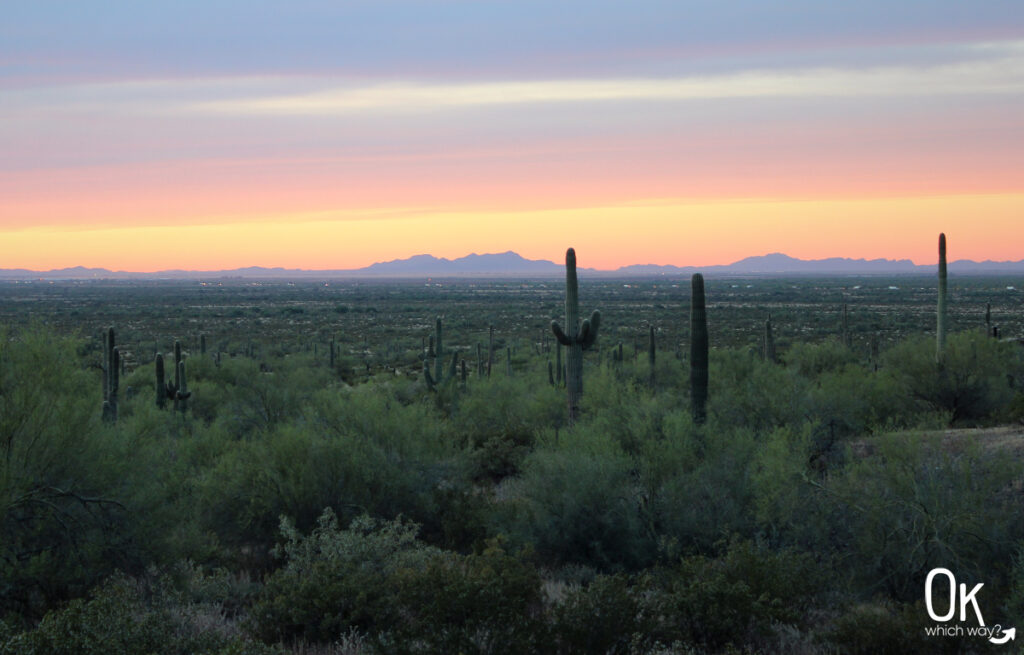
x=970, y=385
x=697, y=482
x=625, y=410
x=63, y=518
x=498, y=420
x=733, y=599
x=811, y=360
x=747, y=392
x=577, y=503
x=917, y=503
x=337, y=579
x=886, y=628
x=124, y=617
x=602, y=617
x=488, y=603
x=853, y=401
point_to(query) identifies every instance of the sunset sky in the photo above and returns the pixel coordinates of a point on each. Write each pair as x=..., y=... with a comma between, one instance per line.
x=328, y=135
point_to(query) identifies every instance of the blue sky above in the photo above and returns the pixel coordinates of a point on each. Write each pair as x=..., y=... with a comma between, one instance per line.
x=116, y=40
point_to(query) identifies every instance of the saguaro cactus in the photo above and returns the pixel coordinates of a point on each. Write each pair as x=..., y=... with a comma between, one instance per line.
x=847, y=341
x=940, y=321
x=490, y=349
x=439, y=377
x=181, y=397
x=651, y=354
x=161, y=385
x=581, y=336
x=768, y=353
x=177, y=373
x=439, y=353
x=698, y=350
x=111, y=370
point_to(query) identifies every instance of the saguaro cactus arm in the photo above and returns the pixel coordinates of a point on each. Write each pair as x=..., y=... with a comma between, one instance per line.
x=588, y=330
x=161, y=388
x=562, y=337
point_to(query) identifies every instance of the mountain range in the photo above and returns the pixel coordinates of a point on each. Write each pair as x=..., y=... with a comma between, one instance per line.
x=510, y=264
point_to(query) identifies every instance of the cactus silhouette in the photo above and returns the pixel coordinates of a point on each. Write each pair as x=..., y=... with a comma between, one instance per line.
x=651, y=354
x=698, y=350
x=847, y=341
x=581, y=336
x=111, y=370
x=439, y=377
x=181, y=397
x=940, y=320
x=161, y=385
x=490, y=349
x=768, y=353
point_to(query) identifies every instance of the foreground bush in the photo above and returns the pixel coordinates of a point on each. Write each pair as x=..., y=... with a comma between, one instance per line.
x=335, y=580
x=62, y=519
x=378, y=578
x=124, y=617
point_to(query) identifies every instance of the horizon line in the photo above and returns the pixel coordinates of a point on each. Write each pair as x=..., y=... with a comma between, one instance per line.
x=364, y=269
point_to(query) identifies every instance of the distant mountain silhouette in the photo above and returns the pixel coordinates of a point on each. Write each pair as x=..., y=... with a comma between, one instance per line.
x=779, y=263
x=474, y=264
x=512, y=264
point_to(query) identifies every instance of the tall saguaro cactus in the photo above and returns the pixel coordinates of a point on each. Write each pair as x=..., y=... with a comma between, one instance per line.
x=439, y=378
x=181, y=397
x=940, y=321
x=698, y=350
x=111, y=380
x=768, y=352
x=845, y=324
x=581, y=336
x=161, y=386
x=178, y=370
x=490, y=349
x=439, y=353
x=651, y=354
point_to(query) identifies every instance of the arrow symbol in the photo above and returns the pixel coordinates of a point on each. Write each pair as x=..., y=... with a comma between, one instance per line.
x=1008, y=634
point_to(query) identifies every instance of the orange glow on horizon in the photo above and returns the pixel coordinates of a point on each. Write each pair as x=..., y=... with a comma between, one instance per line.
x=684, y=232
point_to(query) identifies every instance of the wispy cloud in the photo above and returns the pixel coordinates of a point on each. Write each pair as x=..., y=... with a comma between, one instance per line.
x=999, y=70
x=967, y=69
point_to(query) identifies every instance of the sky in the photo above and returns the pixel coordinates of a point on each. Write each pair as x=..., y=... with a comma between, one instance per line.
x=212, y=135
